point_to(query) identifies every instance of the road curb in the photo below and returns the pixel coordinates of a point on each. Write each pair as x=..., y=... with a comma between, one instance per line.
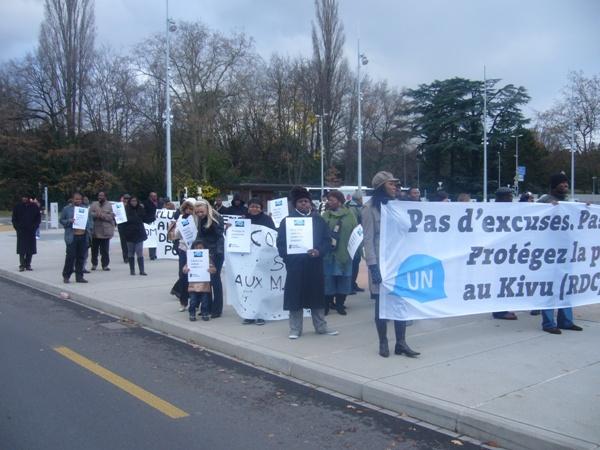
x=470, y=422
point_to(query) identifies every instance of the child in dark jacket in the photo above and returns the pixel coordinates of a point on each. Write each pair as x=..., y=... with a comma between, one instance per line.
x=200, y=291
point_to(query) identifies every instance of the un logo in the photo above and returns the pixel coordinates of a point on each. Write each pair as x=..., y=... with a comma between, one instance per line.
x=420, y=277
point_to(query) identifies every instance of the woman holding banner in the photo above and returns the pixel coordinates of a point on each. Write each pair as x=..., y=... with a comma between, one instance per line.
x=384, y=184
x=337, y=264
x=210, y=231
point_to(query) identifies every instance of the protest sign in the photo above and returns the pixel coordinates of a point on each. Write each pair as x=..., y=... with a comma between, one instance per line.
x=164, y=248
x=119, y=212
x=278, y=209
x=229, y=218
x=187, y=229
x=254, y=281
x=198, y=264
x=448, y=259
x=81, y=217
x=237, y=236
x=299, y=235
x=356, y=239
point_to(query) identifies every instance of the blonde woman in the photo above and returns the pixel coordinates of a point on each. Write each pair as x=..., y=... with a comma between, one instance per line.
x=210, y=232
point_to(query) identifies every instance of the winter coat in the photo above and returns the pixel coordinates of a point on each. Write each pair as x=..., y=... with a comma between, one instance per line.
x=261, y=219
x=26, y=218
x=347, y=221
x=304, y=284
x=104, y=220
x=133, y=229
x=66, y=215
x=371, y=223
x=150, y=210
x=212, y=237
x=233, y=210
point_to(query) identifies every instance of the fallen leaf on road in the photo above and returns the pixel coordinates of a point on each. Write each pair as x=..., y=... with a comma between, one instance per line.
x=456, y=442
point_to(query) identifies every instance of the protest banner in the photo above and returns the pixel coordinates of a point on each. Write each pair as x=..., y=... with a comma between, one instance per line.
x=151, y=235
x=278, y=209
x=237, y=237
x=448, y=259
x=164, y=247
x=254, y=281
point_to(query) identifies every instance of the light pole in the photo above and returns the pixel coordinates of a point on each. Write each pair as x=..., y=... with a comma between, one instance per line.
x=484, y=122
x=499, y=162
x=168, y=117
x=573, y=164
x=517, y=136
x=320, y=117
x=361, y=61
x=594, y=178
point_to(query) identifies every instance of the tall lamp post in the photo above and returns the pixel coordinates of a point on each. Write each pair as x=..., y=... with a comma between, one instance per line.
x=594, y=178
x=499, y=162
x=361, y=61
x=517, y=136
x=168, y=117
x=484, y=122
x=320, y=117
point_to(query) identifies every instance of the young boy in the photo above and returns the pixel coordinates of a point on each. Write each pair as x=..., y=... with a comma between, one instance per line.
x=200, y=291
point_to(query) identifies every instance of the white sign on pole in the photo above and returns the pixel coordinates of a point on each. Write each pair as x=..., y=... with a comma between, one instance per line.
x=53, y=215
x=238, y=236
x=299, y=235
x=81, y=217
x=356, y=239
x=278, y=209
x=119, y=212
x=198, y=263
x=448, y=259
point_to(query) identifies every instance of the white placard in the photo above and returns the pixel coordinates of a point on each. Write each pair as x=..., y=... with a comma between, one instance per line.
x=278, y=209
x=165, y=248
x=356, y=239
x=198, y=263
x=228, y=218
x=187, y=229
x=54, y=215
x=453, y=259
x=299, y=235
x=151, y=235
x=238, y=236
x=118, y=209
x=81, y=217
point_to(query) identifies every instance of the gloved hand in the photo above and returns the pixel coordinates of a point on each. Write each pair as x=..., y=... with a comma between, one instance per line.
x=375, y=274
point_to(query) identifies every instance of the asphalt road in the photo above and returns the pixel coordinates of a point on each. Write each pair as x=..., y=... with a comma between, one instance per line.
x=48, y=401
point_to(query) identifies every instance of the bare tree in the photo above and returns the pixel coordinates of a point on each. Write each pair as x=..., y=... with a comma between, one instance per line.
x=65, y=52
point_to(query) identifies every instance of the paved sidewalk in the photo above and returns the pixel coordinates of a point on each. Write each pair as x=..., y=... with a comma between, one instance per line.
x=505, y=382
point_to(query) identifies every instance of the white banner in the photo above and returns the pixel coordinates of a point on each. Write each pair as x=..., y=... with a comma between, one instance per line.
x=278, y=209
x=151, y=235
x=119, y=212
x=356, y=239
x=448, y=259
x=54, y=215
x=164, y=248
x=255, y=280
x=80, y=217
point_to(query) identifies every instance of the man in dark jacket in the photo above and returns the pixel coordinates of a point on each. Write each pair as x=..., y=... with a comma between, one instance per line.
x=150, y=207
x=237, y=207
x=304, y=284
x=26, y=218
x=76, y=240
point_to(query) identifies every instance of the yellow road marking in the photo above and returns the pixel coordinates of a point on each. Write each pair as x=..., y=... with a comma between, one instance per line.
x=132, y=389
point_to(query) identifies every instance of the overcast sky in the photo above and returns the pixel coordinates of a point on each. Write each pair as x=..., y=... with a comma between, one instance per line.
x=533, y=43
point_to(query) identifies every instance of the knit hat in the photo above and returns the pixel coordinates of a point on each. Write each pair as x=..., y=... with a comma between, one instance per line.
x=297, y=193
x=557, y=179
x=382, y=177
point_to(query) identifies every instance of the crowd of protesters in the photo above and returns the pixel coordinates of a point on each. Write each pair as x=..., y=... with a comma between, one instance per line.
x=320, y=279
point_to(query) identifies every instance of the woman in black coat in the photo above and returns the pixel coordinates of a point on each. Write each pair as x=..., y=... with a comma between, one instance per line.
x=135, y=234
x=257, y=216
x=26, y=218
x=304, y=283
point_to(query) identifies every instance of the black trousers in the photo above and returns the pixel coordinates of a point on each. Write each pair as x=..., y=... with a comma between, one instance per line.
x=217, y=285
x=102, y=245
x=183, y=279
x=123, y=247
x=76, y=254
x=25, y=259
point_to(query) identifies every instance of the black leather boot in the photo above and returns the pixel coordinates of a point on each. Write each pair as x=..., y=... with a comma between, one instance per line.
x=131, y=266
x=141, y=265
x=329, y=303
x=401, y=345
x=381, y=325
x=339, y=304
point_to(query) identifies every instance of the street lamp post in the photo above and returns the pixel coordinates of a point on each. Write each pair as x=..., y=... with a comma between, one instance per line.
x=168, y=118
x=361, y=60
x=594, y=178
x=484, y=122
x=320, y=117
x=499, y=162
x=517, y=136
x=573, y=164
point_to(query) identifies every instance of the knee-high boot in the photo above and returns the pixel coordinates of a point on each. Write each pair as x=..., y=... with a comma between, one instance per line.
x=401, y=345
x=141, y=265
x=131, y=266
x=381, y=325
